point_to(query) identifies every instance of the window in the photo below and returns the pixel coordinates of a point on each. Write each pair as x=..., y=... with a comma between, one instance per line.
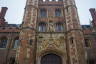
x=42, y=27
x=71, y=40
x=58, y=12
x=59, y=27
x=3, y=42
x=16, y=42
x=67, y=9
x=86, y=43
x=30, y=42
x=43, y=13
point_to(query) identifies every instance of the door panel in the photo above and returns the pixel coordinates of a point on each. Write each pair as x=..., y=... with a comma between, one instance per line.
x=51, y=59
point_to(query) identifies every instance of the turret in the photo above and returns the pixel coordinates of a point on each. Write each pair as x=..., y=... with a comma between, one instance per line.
x=93, y=14
x=26, y=50
x=2, y=16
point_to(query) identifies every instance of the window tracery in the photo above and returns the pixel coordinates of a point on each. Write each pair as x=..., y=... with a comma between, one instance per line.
x=42, y=27
x=16, y=42
x=59, y=27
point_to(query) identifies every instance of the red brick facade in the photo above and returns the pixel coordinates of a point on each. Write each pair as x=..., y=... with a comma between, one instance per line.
x=11, y=32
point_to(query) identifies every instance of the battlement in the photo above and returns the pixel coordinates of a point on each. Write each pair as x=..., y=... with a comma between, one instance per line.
x=50, y=2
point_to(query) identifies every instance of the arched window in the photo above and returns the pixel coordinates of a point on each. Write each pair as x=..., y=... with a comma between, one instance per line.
x=59, y=27
x=71, y=40
x=3, y=42
x=42, y=27
x=16, y=42
x=30, y=41
x=43, y=12
x=51, y=59
x=58, y=12
x=87, y=44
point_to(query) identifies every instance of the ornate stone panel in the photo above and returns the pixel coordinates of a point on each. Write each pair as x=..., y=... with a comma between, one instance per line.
x=51, y=42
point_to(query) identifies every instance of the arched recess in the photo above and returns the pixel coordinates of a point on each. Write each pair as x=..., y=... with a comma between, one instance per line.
x=15, y=42
x=60, y=53
x=51, y=58
x=3, y=42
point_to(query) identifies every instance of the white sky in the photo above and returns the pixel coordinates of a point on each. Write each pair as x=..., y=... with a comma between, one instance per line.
x=16, y=8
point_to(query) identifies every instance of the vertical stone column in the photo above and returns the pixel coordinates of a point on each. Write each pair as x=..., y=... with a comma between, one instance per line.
x=8, y=47
x=25, y=53
x=93, y=14
x=74, y=35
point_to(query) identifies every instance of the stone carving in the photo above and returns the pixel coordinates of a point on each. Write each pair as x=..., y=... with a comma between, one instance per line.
x=51, y=27
x=51, y=44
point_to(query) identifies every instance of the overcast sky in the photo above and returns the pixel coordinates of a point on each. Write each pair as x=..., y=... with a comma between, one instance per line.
x=16, y=8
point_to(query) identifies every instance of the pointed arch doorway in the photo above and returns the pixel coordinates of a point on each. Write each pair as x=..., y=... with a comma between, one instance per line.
x=51, y=59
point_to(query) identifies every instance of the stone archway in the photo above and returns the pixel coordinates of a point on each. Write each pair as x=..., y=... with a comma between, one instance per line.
x=51, y=59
